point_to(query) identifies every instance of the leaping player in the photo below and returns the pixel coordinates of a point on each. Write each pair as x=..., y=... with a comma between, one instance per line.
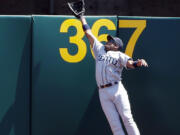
x=110, y=62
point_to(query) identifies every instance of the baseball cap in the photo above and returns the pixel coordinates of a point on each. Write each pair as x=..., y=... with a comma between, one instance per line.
x=117, y=41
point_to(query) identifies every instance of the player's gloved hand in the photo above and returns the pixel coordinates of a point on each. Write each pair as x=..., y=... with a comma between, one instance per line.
x=142, y=62
x=78, y=8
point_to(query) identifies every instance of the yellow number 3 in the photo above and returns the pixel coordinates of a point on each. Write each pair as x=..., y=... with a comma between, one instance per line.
x=77, y=39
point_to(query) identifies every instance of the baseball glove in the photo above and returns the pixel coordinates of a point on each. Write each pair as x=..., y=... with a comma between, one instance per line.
x=78, y=8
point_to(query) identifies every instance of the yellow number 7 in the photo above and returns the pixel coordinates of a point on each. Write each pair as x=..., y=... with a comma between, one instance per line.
x=139, y=25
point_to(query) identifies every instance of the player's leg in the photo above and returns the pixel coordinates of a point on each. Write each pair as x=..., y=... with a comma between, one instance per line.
x=124, y=109
x=111, y=113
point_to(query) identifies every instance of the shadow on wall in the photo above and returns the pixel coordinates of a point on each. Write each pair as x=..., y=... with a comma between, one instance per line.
x=16, y=121
x=94, y=119
x=17, y=115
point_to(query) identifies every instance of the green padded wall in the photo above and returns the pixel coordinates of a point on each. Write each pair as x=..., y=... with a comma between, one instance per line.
x=64, y=95
x=154, y=92
x=15, y=46
x=64, y=98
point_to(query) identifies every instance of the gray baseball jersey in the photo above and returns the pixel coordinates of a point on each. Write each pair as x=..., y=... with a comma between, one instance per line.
x=109, y=65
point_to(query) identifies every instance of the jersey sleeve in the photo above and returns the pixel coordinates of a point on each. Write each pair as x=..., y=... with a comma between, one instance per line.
x=97, y=47
x=123, y=58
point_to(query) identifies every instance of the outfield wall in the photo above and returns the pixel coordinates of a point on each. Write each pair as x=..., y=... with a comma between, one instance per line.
x=48, y=74
x=15, y=57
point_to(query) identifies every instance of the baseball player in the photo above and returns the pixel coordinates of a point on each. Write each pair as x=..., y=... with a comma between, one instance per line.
x=110, y=62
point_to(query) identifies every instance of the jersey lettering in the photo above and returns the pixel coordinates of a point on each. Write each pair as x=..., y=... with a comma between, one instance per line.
x=108, y=59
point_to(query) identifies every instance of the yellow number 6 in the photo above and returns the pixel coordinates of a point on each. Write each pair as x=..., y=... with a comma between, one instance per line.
x=96, y=27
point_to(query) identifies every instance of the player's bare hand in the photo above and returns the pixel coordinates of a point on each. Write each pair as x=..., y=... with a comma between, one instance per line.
x=142, y=62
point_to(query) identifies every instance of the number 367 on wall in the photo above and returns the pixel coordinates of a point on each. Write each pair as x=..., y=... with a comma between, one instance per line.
x=77, y=39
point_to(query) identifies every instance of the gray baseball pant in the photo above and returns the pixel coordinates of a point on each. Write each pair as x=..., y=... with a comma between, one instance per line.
x=114, y=101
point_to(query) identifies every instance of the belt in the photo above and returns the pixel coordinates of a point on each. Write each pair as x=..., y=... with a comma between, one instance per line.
x=108, y=85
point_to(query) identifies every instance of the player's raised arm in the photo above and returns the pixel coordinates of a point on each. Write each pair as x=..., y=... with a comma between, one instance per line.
x=78, y=9
x=134, y=64
x=87, y=31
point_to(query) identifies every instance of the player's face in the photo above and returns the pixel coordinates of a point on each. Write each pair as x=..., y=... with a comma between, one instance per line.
x=109, y=46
